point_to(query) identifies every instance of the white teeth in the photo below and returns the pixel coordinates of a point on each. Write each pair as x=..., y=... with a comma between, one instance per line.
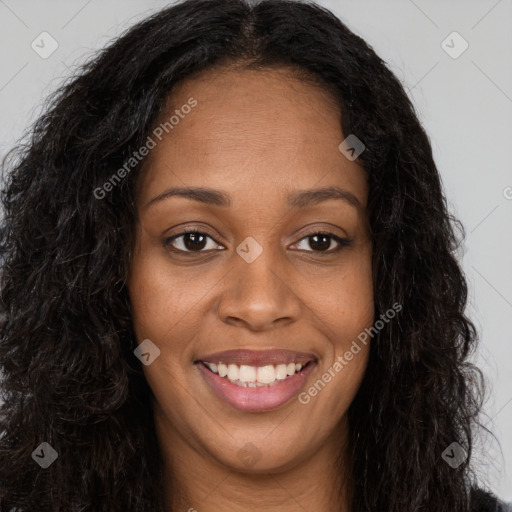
x=233, y=372
x=247, y=374
x=266, y=374
x=213, y=367
x=281, y=372
x=223, y=370
x=255, y=376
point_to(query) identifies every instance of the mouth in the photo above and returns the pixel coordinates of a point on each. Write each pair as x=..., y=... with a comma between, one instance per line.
x=256, y=376
x=256, y=381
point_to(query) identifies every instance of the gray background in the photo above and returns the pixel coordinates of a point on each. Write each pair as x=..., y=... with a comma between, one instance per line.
x=465, y=104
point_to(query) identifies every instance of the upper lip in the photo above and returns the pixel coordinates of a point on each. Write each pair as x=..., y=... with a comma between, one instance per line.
x=258, y=357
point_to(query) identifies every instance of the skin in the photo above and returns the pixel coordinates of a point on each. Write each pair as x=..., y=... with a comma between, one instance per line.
x=257, y=136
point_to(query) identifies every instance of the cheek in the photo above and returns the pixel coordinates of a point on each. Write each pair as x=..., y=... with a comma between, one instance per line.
x=344, y=308
x=160, y=304
x=159, y=300
x=343, y=301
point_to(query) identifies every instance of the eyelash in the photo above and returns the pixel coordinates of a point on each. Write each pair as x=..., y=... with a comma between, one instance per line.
x=342, y=242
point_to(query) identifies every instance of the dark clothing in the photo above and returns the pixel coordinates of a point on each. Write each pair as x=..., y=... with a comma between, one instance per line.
x=482, y=501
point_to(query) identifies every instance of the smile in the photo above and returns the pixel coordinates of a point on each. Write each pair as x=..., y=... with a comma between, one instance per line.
x=256, y=381
x=255, y=376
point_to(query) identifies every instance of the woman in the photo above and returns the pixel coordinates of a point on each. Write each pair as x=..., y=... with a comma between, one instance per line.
x=228, y=281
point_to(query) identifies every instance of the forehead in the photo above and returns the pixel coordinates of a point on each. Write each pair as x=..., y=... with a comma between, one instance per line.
x=264, y=129
x=265, y=106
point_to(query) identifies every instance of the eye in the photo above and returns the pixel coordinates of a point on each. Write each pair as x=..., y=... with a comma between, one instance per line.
x=192, y=240
x=321, y=241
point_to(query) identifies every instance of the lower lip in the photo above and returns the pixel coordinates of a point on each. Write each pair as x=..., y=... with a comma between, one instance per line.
x=258, y=399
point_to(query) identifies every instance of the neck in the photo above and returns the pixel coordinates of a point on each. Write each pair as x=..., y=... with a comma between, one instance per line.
x=194, y=482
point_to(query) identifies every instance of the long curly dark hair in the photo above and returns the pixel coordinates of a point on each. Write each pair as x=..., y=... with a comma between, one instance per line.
x=69, y=375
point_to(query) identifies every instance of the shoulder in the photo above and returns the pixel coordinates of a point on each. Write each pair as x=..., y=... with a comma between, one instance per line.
x=482, y=501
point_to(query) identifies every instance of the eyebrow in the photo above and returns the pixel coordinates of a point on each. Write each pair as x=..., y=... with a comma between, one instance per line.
x=299, y=199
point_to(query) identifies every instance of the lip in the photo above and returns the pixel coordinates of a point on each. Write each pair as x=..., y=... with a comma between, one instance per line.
x=257, y=357
x=258, y=399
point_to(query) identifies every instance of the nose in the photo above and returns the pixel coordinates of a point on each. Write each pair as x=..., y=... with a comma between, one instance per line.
x=259, y=295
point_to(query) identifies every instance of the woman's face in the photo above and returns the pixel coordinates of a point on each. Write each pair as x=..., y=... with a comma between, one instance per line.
x=259, y=290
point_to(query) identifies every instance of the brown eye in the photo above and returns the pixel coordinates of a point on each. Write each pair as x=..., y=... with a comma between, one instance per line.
x=189, y=241
x=197, y=241
x=322, y=242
